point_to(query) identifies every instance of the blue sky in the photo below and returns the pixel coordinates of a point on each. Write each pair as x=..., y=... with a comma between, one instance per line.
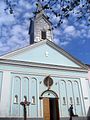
x=74, y=37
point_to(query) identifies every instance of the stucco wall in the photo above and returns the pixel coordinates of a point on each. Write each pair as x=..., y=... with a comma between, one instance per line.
x=30, y=83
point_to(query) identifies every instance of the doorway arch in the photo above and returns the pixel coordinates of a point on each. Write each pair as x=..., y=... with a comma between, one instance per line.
x=49, y=94
x=50, y=105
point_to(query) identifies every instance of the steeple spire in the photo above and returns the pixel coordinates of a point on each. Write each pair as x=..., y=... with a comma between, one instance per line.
x=40, y=10
x=39, y=5
x=40, y=26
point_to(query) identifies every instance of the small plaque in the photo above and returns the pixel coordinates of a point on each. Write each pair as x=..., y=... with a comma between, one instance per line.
x=46, y=53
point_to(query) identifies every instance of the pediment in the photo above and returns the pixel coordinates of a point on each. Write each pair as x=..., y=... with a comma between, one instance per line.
x=45, y=52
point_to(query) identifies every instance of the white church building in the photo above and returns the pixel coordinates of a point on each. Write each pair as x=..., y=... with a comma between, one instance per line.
x=44, y=74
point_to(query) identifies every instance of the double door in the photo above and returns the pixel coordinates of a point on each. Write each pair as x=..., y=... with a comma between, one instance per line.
x=51, y=109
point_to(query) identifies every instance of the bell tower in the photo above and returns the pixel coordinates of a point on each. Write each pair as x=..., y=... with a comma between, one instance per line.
x=40, y=27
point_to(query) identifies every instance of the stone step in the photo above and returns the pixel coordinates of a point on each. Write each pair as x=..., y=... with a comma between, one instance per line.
x=74, y=118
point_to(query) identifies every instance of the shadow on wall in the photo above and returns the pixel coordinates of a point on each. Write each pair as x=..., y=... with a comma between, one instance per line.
x=88, y=114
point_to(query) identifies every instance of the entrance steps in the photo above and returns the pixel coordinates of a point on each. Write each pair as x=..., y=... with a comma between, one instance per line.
x=74, y=118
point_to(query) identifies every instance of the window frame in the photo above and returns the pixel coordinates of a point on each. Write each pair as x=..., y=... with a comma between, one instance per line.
x=43, y=34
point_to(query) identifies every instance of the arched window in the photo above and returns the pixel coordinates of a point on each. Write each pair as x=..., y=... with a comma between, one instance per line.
x=25, y=98
x=33, y=99
x=16, y=99
x=43, y=34
x=77, y=99
x=71, y=101
x=64, y=101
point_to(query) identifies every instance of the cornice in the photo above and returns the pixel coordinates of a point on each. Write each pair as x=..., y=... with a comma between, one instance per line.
x=40, y=65
x=60, y=50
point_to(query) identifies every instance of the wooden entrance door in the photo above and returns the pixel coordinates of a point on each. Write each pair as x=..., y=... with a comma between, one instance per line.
x=51, y=110
x=46, y=109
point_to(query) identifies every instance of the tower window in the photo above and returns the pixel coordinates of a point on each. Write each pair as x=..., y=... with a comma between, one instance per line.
x=43, y=34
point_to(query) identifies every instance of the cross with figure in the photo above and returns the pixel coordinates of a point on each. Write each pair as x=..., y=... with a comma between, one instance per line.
x=24, y=104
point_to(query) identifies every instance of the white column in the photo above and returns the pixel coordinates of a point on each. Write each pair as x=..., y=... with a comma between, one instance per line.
x=86, y=96
x=5, y=94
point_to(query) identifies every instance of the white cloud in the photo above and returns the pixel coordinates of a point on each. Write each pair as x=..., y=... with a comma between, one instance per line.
x=54, y=18
x=6, y=19
x=70, y=30
x=25, y=4
x=1, y=45
x=57, y=32
x=28, y=15
x=65, y=23
x=4, y=48
x=16, y=29
x=64, y=43
x=57, y=41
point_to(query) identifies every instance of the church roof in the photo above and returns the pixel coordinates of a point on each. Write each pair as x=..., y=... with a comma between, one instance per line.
x=52, y=45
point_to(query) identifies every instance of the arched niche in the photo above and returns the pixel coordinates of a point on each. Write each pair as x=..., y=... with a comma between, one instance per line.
x=63, y=98
x=16, y=96
x=25, y=87
x=77, y=98
x=17, y=86
x=33, y=111
x=70, y=92
x=63, y=92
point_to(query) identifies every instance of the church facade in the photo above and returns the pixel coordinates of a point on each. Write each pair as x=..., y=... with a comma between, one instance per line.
x=45, y=75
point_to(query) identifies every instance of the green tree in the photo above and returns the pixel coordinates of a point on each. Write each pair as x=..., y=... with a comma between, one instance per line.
x=63, y=9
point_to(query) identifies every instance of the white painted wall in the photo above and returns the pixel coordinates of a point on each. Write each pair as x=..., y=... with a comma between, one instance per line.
x=5, y=94
x=89, y=78
x=85, y=90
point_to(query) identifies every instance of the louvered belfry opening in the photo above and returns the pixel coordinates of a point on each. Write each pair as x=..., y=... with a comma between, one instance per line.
x=43, y=34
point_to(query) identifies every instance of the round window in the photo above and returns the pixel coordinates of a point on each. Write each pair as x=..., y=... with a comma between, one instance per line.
x=48, y=81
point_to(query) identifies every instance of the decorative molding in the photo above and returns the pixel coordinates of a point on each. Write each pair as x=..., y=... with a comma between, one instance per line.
x=45, y=74
x=41, y=65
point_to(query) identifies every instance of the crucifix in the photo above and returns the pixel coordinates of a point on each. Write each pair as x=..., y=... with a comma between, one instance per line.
x=24, y=104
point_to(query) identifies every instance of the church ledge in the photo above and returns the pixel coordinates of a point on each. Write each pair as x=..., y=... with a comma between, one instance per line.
x=41, y=65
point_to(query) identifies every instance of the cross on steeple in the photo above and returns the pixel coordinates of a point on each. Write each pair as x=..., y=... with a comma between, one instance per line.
x=39, y=8
x=40, y=26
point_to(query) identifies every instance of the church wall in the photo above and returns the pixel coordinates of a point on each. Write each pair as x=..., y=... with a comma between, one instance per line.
x=89, y=88
x=89, y=77
x=86, y=91
x=24, y=81
x=5, y=93
x=1, y=74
